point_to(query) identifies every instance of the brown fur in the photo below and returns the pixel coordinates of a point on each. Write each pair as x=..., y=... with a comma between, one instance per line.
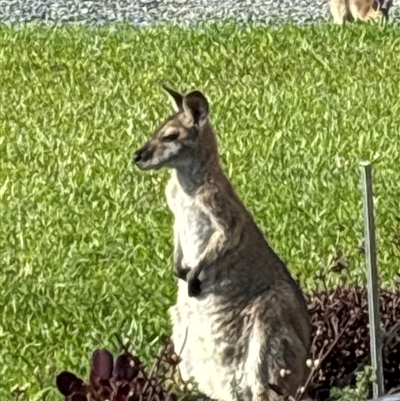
x=246, y=318
x=363, y=10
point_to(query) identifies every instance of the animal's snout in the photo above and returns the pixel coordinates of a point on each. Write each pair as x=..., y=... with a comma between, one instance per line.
x=141, y=155
x=383, y=6
x=137, y=156
x=385, y=12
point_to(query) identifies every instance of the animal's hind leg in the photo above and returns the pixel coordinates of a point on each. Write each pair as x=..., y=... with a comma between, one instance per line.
x=262, y=394
x=256, y=369
x=256, y=392
x=282, y=360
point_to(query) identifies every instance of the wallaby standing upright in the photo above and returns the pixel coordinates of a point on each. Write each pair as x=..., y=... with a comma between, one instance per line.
x=364, y=10
x=240, y=315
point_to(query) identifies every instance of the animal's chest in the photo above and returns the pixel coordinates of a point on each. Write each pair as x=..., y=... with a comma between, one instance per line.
x=192, y=223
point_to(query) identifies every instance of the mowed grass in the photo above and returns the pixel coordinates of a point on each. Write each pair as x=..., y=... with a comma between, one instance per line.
x=86, y=237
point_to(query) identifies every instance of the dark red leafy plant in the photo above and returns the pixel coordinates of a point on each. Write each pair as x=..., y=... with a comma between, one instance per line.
x=122, y=380
x=340, y=325
x=341, y=343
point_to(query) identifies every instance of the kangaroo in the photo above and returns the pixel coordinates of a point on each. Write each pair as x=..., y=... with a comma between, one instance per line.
x=363, y=10
x=240, y=317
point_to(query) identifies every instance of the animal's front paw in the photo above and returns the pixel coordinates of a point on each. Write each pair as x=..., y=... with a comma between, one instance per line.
x=194, y=284
x=181, y=272
x=194, y=287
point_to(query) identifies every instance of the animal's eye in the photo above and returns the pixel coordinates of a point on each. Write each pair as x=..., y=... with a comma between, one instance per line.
x=170, y=137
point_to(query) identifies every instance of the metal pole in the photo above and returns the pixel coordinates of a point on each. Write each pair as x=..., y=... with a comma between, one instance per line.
x=372, y=279
x=390, y=397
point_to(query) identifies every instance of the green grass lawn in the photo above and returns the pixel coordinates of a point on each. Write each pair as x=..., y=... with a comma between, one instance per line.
x=85, y=237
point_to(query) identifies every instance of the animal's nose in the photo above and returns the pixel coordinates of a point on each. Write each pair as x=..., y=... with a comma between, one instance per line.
x=137, y=156
x=142, y=155
x=385, y=12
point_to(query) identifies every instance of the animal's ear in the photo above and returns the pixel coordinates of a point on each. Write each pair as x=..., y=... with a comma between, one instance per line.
x=196, y=106
x=176, y=97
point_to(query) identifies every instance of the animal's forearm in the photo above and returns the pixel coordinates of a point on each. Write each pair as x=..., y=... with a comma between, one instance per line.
x=179, y=270
x=217, y=245
x=229, y=221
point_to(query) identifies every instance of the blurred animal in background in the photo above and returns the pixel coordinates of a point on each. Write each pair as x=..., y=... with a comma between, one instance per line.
x=363, y=10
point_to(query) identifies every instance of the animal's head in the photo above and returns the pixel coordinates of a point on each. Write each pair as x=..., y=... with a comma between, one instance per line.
x=383, y=6
x=378, y=10
x=173, y=143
